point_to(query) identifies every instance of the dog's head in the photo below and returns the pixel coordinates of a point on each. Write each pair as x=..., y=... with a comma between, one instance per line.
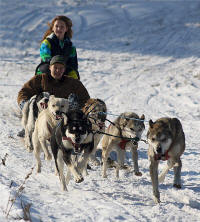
x=132, y=125
x=42, y=100
x=96, y=110
x=57, y=106
x=159, y=136
x=76, y=128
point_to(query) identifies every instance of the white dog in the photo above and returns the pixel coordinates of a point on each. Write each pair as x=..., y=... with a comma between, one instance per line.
x=30, y=113
x=44, y=126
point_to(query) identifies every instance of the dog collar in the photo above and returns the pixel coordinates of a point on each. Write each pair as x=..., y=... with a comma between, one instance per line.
x=75, y=145
x=162, y=157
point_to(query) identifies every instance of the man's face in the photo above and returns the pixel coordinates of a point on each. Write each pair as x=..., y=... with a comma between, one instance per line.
x=57, y=70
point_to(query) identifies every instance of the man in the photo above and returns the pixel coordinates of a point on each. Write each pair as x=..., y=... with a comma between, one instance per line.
x=55, y=83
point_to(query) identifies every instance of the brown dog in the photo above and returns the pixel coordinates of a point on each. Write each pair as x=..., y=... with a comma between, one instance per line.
x=96, y=110
x=166, y=142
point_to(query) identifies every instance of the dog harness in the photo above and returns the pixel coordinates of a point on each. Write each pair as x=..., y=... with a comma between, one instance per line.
x=122, y=144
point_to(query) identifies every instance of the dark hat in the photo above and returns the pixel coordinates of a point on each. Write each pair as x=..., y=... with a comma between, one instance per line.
x=58, y=59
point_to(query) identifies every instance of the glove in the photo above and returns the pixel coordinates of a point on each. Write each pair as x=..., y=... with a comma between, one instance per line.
x=21, y=105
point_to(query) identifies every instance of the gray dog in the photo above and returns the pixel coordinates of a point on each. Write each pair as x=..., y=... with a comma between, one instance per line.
x=166, y=142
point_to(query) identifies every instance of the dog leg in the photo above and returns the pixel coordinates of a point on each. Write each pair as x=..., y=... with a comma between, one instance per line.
x=105, y=154
x=43, y=143
x=170, y=164
x=120, y=156
x=60, y=164
x=154, y=179
x=37, y=150
x=27, y=138
x=68, y=176
x=92, y=157
x=135, y=160
x=82, y=163
x=77, y=176
x=177, y=174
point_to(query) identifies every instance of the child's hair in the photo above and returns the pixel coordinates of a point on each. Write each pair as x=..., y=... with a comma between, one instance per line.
x=66, y=20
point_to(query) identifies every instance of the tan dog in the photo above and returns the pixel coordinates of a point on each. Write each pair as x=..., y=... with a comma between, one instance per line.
x=44, y=126
x=127, y=125
x=96, y=110
x=166, y=142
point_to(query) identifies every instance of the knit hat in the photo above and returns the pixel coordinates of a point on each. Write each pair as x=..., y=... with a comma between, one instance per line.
x=58, y=59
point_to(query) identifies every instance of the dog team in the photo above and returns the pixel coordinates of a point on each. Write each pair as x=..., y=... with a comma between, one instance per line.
x=60, y=119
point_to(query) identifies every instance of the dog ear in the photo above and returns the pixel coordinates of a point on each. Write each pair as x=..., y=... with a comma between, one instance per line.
x=142, y=117
x=51, y=96
x=151, y=123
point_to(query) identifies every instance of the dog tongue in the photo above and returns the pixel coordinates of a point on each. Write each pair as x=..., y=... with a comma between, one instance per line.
x=58, y=117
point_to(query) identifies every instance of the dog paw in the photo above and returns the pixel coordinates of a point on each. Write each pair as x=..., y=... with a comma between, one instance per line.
x=95, y=162
x=178, y=186
x=48, y=157
x=38, y=170
x=138, y=174
x=104, y=175
x=79, y=180
x=156, y=200
x=30, y=149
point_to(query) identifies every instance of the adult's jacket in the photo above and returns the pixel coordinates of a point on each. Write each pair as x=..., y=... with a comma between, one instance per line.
x=60, y=88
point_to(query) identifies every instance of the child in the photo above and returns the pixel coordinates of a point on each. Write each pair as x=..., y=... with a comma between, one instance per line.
x=56, y=41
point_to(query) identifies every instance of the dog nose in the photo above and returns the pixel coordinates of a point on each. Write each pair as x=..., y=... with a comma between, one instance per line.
x=46, y=100
x=58, y=112
x=159, y=149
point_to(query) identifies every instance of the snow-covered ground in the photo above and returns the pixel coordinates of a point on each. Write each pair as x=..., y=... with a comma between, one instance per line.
x=140, y=56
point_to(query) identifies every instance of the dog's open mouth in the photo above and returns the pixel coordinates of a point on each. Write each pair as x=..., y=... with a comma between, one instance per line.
x=57, y=116
x=160, y=156
x=44, y=105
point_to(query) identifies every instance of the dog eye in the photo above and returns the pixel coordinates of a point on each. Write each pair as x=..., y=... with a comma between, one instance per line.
x=132, y=129
x=153, y=139
x=164, y=140
x=53, y=105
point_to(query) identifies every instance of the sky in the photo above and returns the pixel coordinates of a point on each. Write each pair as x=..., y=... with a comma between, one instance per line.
x=137, y=56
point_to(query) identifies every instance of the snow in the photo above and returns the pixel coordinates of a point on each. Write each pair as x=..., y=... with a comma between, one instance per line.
x=140, y=56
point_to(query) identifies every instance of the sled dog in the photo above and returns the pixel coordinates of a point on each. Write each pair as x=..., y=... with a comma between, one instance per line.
x=30, y=113
x=96, y=110
x=44, y=125
x=71, y=143
x=166, y=141
x=127, y=125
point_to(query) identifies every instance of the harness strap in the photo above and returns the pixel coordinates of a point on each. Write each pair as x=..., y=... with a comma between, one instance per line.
x=75, y=145
x=122, y=144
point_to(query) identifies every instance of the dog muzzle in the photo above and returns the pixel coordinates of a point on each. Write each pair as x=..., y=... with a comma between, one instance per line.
x=101, y=116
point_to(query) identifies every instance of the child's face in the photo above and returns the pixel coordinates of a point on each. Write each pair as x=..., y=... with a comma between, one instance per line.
x=59, y=28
